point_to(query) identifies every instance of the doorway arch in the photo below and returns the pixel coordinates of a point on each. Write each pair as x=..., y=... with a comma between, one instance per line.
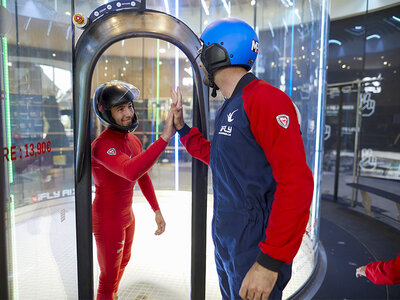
x=113, y=26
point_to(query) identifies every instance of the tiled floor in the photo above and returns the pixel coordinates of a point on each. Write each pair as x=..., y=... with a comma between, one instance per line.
x=45, y=256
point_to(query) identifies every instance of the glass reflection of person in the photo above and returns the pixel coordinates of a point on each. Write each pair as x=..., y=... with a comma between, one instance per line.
x=118, y=162
x=262, y=185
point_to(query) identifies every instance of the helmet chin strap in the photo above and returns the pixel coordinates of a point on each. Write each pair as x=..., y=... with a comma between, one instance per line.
x=212, y=84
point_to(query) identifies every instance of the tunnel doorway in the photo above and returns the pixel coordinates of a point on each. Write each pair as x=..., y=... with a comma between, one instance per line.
x=135, y=23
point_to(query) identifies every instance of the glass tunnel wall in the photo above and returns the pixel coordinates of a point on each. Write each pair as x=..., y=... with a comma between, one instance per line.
x=362, y=118
x=37, y=66
x=37, y=70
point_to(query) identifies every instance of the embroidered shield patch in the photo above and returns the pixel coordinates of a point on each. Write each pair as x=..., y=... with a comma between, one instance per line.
x=111, y=151
x=283, y=120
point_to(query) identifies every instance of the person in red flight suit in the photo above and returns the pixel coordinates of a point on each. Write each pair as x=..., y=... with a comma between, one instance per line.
x=118, y=162
x=381, y=272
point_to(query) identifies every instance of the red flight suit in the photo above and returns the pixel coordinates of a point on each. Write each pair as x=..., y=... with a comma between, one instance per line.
x=117, y=163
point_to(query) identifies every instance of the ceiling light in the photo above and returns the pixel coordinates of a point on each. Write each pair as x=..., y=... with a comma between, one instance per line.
x=227, y=7
x=166, y=6
x=335, y=42
x=373, y=36
x=203, y=3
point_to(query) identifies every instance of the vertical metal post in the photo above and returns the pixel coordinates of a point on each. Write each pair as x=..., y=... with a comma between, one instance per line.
x=4, y=200
x=4, y=193
x=338, y=146
x=354, y=194
x=83, y=204
x=199, y=218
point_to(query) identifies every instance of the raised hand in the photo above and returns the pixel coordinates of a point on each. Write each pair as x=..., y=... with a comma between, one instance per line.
x=177, y=109
x=169, y=129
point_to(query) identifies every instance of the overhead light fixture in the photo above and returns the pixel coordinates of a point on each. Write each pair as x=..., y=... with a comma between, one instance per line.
x=271, y=28
x=358, y=27
x=253, y=2
x=373, y=36
x=227, y=7
x=166, y=6
x=162, y=50
x=287, y=3
x=203, y=3
x=396, y=18
x=335, y=42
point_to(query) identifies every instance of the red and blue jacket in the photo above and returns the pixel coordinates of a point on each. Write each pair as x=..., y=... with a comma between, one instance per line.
x=259, y=167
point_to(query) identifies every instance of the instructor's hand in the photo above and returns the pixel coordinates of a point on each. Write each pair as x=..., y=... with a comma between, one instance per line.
x=258, y=283
x=160, y=223
x=176, y=108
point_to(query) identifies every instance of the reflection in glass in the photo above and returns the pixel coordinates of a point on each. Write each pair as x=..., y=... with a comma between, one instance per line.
x=38, y=127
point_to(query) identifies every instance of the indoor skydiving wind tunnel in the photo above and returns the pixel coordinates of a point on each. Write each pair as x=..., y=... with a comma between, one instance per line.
x=50, y=68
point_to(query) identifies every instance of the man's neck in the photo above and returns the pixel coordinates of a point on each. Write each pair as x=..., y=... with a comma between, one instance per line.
x=227, y=79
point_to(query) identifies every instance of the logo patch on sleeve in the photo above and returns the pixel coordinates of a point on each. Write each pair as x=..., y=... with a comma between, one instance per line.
x=283, y=120
x=111, y=151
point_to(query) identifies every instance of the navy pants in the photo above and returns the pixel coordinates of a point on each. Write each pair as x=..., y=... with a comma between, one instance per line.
x=236, y=237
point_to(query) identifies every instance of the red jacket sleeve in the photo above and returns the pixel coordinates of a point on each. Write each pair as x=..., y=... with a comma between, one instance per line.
x=196, y=145
x=146, y=186
x=284, y=150
x=124, y=166
x=384, y=272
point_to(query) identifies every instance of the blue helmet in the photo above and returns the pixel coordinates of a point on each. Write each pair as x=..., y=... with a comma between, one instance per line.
x=228, y=42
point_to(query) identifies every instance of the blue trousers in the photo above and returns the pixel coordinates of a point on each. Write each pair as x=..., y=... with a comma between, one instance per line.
x=236, y=237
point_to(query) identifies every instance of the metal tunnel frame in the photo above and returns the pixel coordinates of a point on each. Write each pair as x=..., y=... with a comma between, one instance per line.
x=97, y=37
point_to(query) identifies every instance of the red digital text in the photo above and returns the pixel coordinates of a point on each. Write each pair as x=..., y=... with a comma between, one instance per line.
x=28, y=150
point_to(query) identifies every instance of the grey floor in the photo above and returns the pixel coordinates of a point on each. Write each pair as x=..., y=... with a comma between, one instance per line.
x=44, y=259
x=43, y=248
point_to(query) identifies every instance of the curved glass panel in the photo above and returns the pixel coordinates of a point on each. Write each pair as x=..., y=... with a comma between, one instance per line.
x=293, y=37
x=37, y=67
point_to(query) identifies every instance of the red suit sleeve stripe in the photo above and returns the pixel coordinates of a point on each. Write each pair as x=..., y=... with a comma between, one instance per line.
x=384, y=272
x=126, y=167
x=284, y=150
x=197, y=145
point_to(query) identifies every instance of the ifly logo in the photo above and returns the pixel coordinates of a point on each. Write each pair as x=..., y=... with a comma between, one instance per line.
x=230, y=116
x=225, y=130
